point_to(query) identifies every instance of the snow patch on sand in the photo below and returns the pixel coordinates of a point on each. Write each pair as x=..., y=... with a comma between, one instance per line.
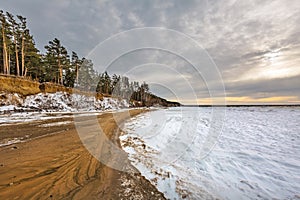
x=55, y=124
x=9, y=141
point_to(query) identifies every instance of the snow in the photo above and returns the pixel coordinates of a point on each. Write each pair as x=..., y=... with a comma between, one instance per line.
x=44, y=106
x=7, y=108
x=72, y=102
x=59, y=102
x=55, y=124
x=257, y=155
x=9, y=142
x=25, y=117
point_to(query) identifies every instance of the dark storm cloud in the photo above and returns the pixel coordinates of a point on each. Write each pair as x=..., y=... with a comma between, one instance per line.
x=244, y=38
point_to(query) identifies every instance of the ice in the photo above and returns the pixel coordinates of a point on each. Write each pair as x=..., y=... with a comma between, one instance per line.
x=257, y=156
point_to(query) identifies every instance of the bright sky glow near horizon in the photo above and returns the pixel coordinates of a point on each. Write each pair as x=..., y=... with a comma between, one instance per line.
x=255, y=44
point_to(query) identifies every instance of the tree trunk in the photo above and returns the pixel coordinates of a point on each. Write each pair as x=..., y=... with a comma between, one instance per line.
x=5, y=59
x=8, y=69
x=60, y=72
x=25, y=73
x=17, y=57
x=77, y=73
x=22, y=55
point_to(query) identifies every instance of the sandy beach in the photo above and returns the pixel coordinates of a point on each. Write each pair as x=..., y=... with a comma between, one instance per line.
x=52, y=163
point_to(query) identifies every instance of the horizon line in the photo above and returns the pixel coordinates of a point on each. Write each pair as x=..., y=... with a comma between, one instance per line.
x=233, y=105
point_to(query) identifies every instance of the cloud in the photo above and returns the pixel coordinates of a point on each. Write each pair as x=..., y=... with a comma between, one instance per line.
x=265, y=88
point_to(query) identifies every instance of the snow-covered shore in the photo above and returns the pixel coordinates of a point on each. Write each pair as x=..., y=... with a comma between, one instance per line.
x=44, y=106
x=58, y=102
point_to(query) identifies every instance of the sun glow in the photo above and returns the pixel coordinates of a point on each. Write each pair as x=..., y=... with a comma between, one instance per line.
x=276, y=71
x=272, y=56
x=273, y=65
x=251, y=100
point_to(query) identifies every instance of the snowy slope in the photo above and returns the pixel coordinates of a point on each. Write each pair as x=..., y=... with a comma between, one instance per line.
x=59, y=101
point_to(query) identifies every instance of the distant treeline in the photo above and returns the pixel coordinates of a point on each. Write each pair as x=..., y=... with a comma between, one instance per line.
x=20, y=57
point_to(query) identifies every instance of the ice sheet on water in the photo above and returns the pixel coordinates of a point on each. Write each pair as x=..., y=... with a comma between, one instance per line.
x=257, y=155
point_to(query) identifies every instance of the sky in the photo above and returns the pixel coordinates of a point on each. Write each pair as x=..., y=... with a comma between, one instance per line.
x=244, y=52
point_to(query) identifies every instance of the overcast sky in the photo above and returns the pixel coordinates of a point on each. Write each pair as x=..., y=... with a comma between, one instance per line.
x=254, y=44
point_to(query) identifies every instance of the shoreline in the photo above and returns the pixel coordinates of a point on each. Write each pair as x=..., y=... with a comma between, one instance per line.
x=57, y=165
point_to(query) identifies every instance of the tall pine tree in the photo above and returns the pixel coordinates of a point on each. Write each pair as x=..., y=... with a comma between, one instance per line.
x=4, y=37
x=57, y=57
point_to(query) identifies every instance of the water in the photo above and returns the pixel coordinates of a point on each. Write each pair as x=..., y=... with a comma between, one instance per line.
x=257, y=156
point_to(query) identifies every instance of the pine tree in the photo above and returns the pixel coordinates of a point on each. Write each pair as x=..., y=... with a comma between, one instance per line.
x=23, y=30
x=87, y=76
x=76, y=63
x=144, y=90
x=115, y=85
x=4, y=30
x=107, y=83
x=33, y=64
x=101, y=84
x=15, y=33
x=57, y=57
x=70, y=77
x=125, y=87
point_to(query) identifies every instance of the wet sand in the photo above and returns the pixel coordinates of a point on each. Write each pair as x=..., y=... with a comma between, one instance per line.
x=53, y=164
